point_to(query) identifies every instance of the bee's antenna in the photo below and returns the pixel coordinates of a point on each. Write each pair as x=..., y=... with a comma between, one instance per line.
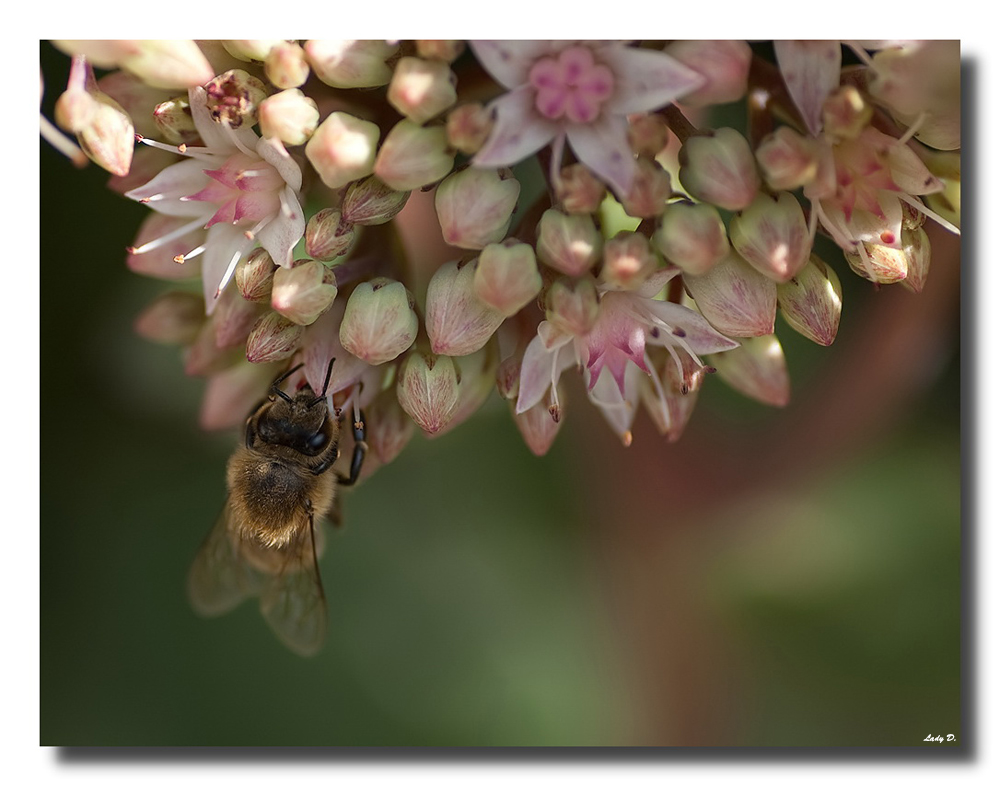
x=274, y=385
x=326, y=382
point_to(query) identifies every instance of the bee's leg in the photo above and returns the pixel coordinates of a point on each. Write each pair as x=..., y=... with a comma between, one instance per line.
x=360, y=449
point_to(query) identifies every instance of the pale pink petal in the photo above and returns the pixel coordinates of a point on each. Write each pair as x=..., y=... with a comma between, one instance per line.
x=224, y=243
x=282, y=233
x=688, y=325
x=603, y=147
x=272, y=151
x=322, y=342
x=159, y=261
x=165, y=191
x=617, y=409
x=652, y=286
x=537, y=370
x=509, y=62
x=646, y=79
x=811, y=70
x=518, y=130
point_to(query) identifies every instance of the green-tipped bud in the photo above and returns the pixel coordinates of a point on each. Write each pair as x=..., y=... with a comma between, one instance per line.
x=538, y=427
x=255, y=276
x=427, y=389
x=304, y=291
x=724, y=64
x=811, y=301
x=173, y=318
x=412, y=156
x=650, y=190
x=756, y=369
x=174, y=122
x=290, y=115
x=234, y=97
x=370, y=201
x=343, y=149
x=328, y=235
x=719, y=168
x=572, y=304
x=628, y=261
x=735, y=298
x=918, y=258
x=286, y=65
x=273, y=338
x=788, y=159
x=692, y=236
x=458, y=322
x=351, y=63
x=570, y=244
x=845, y=113
x=468, y=127
x=771, y=234
x=474, y=206
x=507, y=277
x=445, y=51
x=379, y=322
x=647, y=134
x=389, y=428
x=578, y=190
x=421, y=89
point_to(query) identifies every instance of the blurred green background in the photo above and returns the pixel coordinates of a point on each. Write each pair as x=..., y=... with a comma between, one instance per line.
x=775, y=578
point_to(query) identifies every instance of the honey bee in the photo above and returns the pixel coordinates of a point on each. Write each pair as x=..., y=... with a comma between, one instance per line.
x=267, y=542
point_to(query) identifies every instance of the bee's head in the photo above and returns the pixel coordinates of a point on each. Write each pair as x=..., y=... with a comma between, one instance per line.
x=302, y=421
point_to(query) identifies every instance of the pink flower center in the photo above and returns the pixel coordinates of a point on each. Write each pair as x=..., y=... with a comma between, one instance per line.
x=245, y=189
x=571, y=85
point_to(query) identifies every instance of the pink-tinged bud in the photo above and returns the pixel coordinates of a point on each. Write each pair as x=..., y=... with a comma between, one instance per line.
x=231, y=393
x=467, y=128
x=342, y=149
x=845, y=113
x=153, y=256
x=538, y=427
x=572, y=304
x=650, y=190
x=509, y=376
x=351, y=63
x=370, y=201
x=458, y=322
x=771, y=234
x=811, y=302
x=251, y=51
x=173, y=318
x=570, y=244
x=421, y=89
x=881, y=264
x=735, y=298
x=427, y=389
x=918, y=259
x=304, y=291
x=286, y=65
x=170, y=65
x=647, y=135
x=273, y=338
x=290, y=115
x=474, y=206
x=692, y=236
x=233, y=318
x=788, y=159
x=507, y=277
x=328, y=235
x=578, y=190
x=255, y=276
x=379, y=322
x=719, y=168
x=628, y=261
x=756, y=369
x=724, y=64
x=445, y=51
x=233, y=98
x=413, y=156
x=174, y=122
x=389, y=427
x=477, y=374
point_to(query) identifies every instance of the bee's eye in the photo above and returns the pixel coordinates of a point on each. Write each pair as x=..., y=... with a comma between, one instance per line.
x=316, y=440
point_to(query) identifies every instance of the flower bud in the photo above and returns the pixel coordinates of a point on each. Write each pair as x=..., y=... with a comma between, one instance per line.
x=389, y=428
x=771, y=234
x=474, y=206
x=735, y=298
x=918, y=258
x=427, y=389
x=458, y=322
x=173, y=318
x=538, y=427
x=507, y=277
x=370, y=201
x=881, y=264
x=379, y=323
x=251, y=51
x=578, y=190
x=255, y=276
x=412, y=156
x=811, y=301
x=647, y=134
x=304, y=291
x=350, y=63
x=286, y=65
x=328, y=235
x=154, y=256
x=170, y=65
x=719, y=168
x=233, y=98
x=290, y=115
x=788, y=159
x=573, y=305
x=445, y=51
x=467, y=128
x=421, y=89
x=273, y=338
x=570, y=244
x=845, y=113
x=724, y=64
x=680, y=381
x=174, y=122
x=628, y=261
x=477, y=374
x=233, y=319
x=650, y=190
x=103, y=129
x=692, y=236
x=342, y=149
x=756, y=369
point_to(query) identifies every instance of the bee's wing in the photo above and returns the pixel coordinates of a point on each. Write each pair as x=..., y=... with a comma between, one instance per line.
x=293, y=602
x=220, y=578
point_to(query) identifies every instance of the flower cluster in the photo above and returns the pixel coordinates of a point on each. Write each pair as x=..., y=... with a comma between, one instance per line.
x=598, y=221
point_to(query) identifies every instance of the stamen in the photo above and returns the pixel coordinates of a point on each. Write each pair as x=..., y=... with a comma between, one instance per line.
x=286, y=204
x=658, y=387
x=914, y=127
x=229, y=273
x=236, y=140
x=866, y=261
x=196, y=252
x=179, y=232
x=920, y=206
